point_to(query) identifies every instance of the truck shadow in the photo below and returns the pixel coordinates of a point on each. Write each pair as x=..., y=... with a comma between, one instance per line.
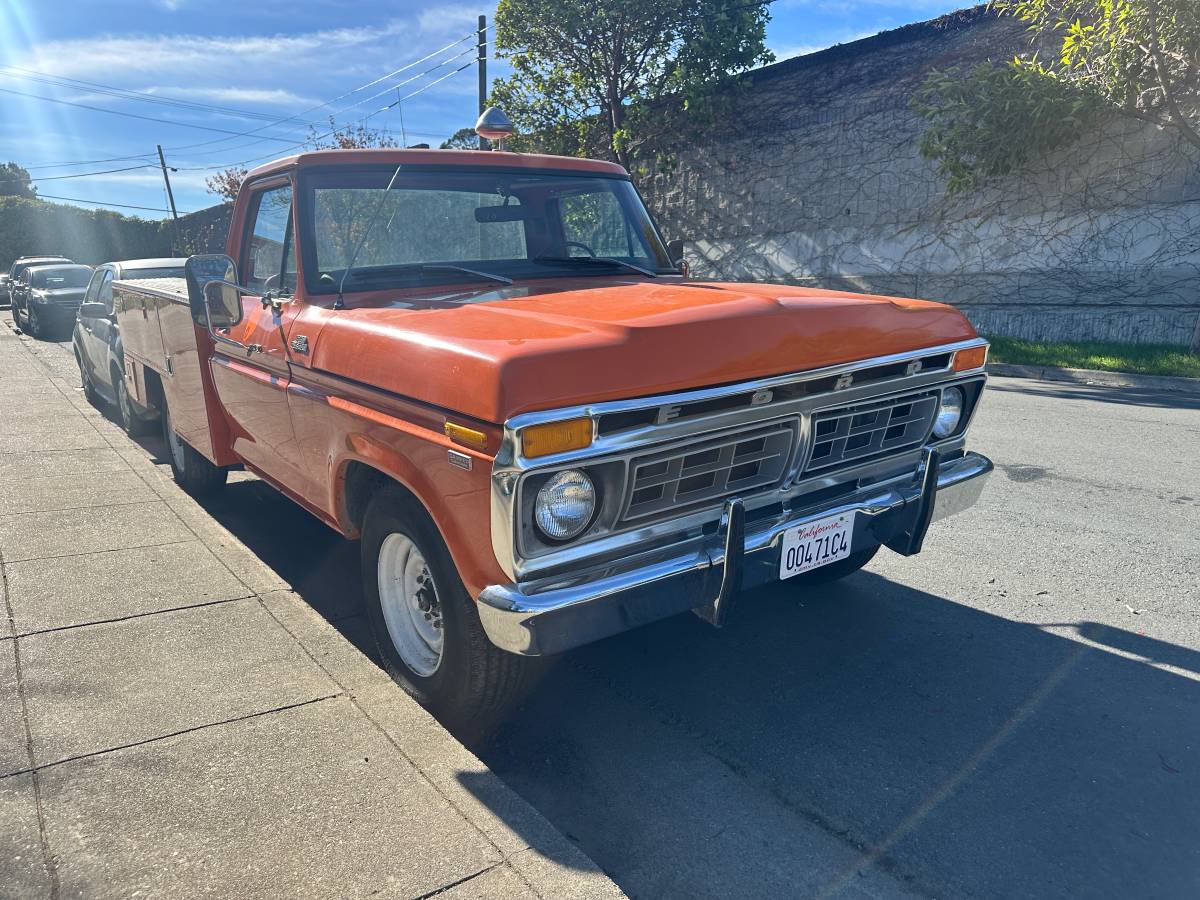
x=863, y=725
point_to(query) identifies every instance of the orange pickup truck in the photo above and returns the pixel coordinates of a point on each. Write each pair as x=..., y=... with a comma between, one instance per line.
x=487, y=368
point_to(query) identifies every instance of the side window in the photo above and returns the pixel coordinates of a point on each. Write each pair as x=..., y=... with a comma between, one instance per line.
x=595, y=222
x=93, y=288
x=105, y=294
x=269, y=251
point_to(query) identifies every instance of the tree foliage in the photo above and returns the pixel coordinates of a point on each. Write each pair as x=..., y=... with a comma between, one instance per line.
x=612, y=76
x=1140, y=57
x=994, y=119
x=14, y=181
x=463, y=139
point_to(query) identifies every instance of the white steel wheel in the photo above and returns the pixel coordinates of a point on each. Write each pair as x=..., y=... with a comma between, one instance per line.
x=408, y=599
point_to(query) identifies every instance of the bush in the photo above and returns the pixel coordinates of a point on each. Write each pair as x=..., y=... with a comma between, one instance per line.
x=34, y=227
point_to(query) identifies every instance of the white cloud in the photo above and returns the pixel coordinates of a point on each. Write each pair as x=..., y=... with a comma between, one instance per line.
x=235, y=95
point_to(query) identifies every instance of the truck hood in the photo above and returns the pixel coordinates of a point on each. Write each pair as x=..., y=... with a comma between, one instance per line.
x=496, y=353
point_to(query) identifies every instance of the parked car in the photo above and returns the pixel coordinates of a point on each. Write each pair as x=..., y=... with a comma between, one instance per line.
x=20, y=264
x=49, y=297
x=97, y=339
x=487, y=368
x=4, y=288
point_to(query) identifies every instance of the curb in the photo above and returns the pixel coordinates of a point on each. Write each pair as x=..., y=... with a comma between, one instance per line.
x=1170, y=383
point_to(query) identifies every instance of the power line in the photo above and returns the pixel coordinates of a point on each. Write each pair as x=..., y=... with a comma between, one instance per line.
x=77, y=175
x=129, y=115
x=127, y=94
x=101, y=203
x=382, y=78
x=295, y=117
x=274, y=155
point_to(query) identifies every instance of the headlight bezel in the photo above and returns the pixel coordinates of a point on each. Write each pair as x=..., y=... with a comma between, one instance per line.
x=958, y=409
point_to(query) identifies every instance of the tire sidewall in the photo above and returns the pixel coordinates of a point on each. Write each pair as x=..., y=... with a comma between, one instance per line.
x=390, y=514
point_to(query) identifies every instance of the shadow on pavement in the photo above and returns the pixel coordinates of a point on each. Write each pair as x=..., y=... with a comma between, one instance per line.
x=1122, y=396
x=961, y=752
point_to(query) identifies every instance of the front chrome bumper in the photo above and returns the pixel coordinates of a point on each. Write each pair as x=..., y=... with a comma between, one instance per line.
x=557, y=613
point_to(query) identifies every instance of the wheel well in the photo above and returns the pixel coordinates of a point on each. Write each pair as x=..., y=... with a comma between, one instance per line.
x=154, y=389
x=361, y=483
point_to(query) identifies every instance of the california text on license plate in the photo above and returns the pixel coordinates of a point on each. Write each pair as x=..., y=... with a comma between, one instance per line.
x=815, y=544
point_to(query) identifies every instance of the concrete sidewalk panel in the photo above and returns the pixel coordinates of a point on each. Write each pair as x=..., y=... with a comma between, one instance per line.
x=103, y=686
x=50, y=492
x=94, y=587
x=40, y=464
x=14, y=755
x=81, y=436
x=309, y=802
x=22, y=868
x=508, y=820
x=67, y=532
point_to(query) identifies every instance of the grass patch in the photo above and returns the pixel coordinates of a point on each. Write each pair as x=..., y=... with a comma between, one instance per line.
x=1141, y=359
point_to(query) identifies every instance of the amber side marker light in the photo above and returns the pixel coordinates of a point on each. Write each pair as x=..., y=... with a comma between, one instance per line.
x=970, y=359
x=556, y=437
x=468, y=437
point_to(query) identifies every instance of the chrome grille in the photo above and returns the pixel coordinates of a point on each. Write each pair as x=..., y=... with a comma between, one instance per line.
x=842, y=437
x=703, y=473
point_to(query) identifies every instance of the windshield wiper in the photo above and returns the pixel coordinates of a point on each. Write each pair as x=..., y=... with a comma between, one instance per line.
x=423, y=267
x=604, y=260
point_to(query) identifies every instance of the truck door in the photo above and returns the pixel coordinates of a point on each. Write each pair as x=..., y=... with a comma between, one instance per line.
x=103, y=331
x=251, y=375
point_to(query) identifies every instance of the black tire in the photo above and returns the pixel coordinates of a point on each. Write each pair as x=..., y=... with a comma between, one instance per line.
x=89, y=390
x=134, y=425
x=195, y=474
x=475, y=682
x=33, y=323
x=16, y=316
x=837, y=570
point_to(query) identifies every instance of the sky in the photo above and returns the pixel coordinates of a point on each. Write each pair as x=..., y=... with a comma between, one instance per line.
x=270, y=68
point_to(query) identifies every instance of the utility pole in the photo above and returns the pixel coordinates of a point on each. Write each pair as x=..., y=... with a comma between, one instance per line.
x=482, y=58
x=170, y=195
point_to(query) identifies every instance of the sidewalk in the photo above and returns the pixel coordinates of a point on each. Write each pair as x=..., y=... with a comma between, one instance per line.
x=175, y=722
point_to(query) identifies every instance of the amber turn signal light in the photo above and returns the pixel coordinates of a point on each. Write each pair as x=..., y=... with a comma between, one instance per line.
x=973, y=358
x=556, y=437
x=468, y=437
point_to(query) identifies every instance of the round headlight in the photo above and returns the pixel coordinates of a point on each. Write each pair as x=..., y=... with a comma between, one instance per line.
x=564, y=505
x=949, y=413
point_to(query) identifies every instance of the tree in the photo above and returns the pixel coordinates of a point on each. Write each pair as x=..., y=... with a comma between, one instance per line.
x=1139, y=57
x=463, y=139
x=611, y=76
x=14, y=182
x=228, y=182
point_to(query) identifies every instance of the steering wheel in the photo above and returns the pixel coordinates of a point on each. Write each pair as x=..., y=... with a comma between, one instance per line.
x=584, y=247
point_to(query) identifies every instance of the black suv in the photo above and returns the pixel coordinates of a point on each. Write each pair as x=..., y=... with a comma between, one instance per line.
x=48, y=296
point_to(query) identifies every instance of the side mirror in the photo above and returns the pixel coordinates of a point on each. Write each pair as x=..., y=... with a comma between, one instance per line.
x=93, y=310
x=220, y=307
x=223, y=304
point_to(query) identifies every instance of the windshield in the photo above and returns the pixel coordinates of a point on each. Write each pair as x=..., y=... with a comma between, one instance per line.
x=507, y=224
x=54, y=279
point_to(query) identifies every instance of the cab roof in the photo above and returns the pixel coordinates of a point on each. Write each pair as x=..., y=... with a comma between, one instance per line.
x=465, y=158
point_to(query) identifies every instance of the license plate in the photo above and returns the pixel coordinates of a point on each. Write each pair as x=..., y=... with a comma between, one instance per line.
x=815, y=544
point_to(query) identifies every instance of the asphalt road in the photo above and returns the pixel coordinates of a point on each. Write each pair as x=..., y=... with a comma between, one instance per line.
x=1016, y=711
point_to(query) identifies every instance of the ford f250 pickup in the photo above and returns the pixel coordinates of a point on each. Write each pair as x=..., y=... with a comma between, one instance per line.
x=487, y=368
